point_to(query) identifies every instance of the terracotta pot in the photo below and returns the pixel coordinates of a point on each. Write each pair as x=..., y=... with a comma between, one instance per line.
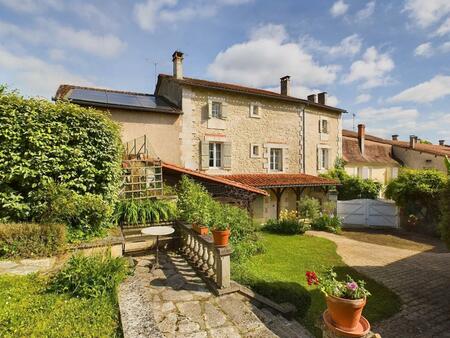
x=202, y=230
x=345, y=313
x=221, y=237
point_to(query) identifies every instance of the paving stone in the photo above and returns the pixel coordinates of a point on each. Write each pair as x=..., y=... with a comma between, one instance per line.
x=7, y=264
x=177, y=295
x=169, y=323
x=240, y=315
x=167, y=307
x=187, y=326
x=224, y=332
x=192, y=311
x=262, y=332
x=200, y=334
x=213, y=316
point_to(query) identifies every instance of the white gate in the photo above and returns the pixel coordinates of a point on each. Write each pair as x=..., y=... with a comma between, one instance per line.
x=368, y=212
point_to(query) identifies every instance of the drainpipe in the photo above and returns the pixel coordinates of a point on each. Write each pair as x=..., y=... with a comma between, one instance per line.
x=304, y=139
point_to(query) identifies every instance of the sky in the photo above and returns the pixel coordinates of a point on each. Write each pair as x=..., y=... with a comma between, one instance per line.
x=386, y=62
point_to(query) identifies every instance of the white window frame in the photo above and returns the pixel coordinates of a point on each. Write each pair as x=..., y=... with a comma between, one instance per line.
x=252, y=154
x=324, y=162
x=272, y=168
x=252, y=110
x=215, y=114
x=214, y=149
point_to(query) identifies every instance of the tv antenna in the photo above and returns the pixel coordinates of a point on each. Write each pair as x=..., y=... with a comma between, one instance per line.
x=353, y=114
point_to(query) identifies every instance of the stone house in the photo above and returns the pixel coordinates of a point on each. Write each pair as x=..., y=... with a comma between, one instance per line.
x=231, y=131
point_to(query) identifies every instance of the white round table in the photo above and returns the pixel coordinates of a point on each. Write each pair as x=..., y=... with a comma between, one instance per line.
x=157, y=231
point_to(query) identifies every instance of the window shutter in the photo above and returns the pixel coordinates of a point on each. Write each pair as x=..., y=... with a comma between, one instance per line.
x=224, y=110
x=365, y=172
x=209, y=109
x=227, y=155
x=319, y=158
x=204, y=154
x=320, y=125
x=250, y=110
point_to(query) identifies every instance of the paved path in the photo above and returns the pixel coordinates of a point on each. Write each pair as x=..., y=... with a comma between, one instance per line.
x=421, y=279
x=174, y=302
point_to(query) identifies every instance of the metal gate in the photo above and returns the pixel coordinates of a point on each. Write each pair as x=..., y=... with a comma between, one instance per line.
x=373, y=213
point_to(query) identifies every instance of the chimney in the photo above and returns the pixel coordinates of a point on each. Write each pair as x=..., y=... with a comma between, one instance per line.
x=361, y=137
x=322, y=98
x=412, y=141
x=177, y=60
x=442, y=142
x=312, y=98
x=285, y=84
x=395, y=137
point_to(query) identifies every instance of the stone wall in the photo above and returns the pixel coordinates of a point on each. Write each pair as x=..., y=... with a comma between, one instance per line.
x=419, y=160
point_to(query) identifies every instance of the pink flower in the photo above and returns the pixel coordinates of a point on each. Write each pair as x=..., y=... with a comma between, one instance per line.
x=312, y=278
x=352, y=286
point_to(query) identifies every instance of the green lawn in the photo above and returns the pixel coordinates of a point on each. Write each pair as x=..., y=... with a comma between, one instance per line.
x=279, y=274
x=28, y=310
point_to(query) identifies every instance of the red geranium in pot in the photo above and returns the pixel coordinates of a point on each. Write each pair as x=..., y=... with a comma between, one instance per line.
x=345, y=300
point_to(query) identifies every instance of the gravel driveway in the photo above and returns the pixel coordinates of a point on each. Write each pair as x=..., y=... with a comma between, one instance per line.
x=421, y=279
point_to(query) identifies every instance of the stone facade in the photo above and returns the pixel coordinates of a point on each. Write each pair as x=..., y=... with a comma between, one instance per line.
x=416, y=159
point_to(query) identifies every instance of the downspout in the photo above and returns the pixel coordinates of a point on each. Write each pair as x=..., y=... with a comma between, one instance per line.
x=304, y=138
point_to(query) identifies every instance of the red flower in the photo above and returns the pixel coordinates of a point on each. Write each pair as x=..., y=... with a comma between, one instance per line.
x=312, y=278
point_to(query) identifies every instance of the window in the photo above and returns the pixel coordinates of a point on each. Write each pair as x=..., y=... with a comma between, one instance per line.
x=215, y=155
x=276, y=159
x=255, y=150
x=255, y=110
x=323, y=158
x=324, y=126
x=216, y=110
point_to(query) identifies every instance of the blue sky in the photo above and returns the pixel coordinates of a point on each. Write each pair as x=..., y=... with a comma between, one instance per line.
x=387, y=62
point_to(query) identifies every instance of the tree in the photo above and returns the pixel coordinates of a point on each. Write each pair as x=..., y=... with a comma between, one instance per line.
x=444, y=224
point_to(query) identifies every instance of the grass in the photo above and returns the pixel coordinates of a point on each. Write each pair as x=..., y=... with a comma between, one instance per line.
x=28, y=310
x=397, y=239
x=279, y=274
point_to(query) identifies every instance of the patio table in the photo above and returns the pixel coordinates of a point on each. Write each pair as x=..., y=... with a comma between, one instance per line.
x=157, y=231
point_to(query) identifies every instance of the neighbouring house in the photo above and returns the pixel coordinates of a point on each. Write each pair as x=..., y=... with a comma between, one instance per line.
x=277, y=142
x=367, y=156
x=416, y=155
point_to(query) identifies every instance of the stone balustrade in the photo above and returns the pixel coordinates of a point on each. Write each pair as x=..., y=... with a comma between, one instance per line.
x=211, y=261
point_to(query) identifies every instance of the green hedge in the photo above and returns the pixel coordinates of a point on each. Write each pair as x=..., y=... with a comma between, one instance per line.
x=26, y=240
x=42, y=142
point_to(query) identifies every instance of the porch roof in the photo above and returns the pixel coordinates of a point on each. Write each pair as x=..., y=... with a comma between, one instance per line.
x=281, y=180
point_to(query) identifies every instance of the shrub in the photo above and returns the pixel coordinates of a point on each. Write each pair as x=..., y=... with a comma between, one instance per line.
x=144, y=211
x=327, y=223
x=353, y=187
x=64, y=143
x=309, y=207
x=286, y=226
x=90, y=276
x=26, y=240
x=444, y=224
x=194, y=202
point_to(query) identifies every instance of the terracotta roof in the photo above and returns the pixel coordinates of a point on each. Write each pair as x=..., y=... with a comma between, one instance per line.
x=374, y=152
x=280, y=180
x=110, y=98
x=245, y=90
x=433, y=149
x=213, y=178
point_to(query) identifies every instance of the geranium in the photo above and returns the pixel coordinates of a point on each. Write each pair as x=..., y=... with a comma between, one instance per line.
x=330, y=286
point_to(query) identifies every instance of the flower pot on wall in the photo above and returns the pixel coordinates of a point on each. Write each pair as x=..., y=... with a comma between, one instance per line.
x=345, y=313
x=221, y=237
x=201, y=229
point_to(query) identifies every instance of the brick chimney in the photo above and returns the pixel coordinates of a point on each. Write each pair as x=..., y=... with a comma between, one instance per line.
x=412, y=141
x=361, y=137
x=395, y=137
x=442, y=142
x=312, y=98
x=285, y=85
x=322, y=98
x=177, y=60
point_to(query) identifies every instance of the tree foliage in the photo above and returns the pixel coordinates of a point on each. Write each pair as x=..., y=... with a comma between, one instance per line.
x=444, y=225
x=42, y=142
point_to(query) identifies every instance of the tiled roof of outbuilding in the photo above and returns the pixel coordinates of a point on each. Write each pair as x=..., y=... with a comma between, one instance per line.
x=280, y=180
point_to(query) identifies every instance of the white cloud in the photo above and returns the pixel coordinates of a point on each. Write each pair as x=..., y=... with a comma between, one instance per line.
x=31, y=6
x=270, y=32
x=94, y=15
x=349, y=46
x=35, y=76
x=427, y=12
x=261, y=62
x=444, y=28
x=106, y=45
x=424, y=49
x=151, y=13
x=428, y=91
x=366, y=12
x=363, y=98
x=339, y=8
x=395, y=114
x=372, y=70
x=445, y=47
x=57, y=54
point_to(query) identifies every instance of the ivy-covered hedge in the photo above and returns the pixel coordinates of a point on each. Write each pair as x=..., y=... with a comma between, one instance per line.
x=43, y=143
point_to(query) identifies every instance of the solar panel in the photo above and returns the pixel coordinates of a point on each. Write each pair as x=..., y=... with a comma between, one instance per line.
x=88, y=95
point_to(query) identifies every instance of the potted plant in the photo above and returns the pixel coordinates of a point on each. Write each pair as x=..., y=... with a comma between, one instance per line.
x=345, y=299
x=197, y=225
x=220, y=226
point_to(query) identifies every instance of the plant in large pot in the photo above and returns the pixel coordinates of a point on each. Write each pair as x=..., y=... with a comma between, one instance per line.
x=345, y=300
x=198, y=224
x=220, y=225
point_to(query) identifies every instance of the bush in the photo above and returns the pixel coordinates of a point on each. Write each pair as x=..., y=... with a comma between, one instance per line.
x=26, y=240
x=90, y=276
x=444, y=224
x=286, y=226
x=145, y=211
x=309, y=207
x=327, y=223
x=40, y=142
x=353, y=187
x=194, y=202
